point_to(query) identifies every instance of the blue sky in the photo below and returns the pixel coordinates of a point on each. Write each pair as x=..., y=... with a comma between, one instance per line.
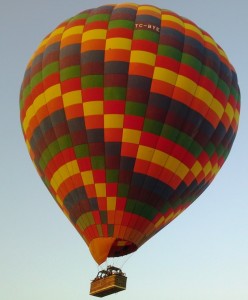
x=203, y=254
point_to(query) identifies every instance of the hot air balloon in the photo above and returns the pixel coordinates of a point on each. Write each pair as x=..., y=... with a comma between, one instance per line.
x=128, y=112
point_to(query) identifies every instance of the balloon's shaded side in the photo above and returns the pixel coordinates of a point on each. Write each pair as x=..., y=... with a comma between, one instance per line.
x=128, y=113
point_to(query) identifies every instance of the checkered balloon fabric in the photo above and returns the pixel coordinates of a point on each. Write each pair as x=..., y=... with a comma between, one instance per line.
x=128, y=112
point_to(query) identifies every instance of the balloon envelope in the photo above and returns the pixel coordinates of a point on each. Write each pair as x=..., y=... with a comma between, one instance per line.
x=128, y=112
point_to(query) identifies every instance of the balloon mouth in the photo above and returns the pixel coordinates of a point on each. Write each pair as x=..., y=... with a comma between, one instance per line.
x=121, y=248
x=104, y=247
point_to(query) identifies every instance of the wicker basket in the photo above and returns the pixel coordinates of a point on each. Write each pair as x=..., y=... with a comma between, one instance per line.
x=102, y=287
